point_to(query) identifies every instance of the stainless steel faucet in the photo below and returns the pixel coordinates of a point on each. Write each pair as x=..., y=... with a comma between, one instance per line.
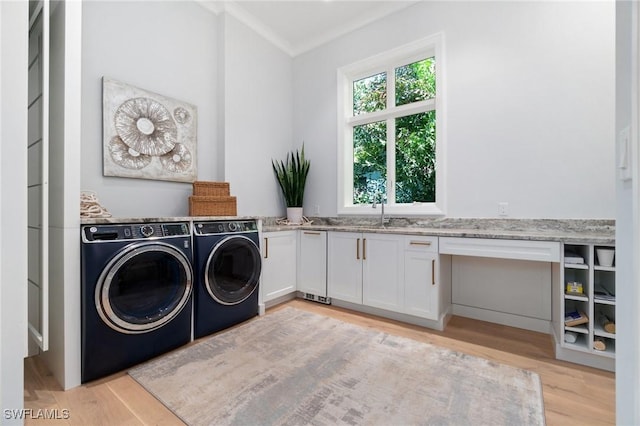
x=374, y=205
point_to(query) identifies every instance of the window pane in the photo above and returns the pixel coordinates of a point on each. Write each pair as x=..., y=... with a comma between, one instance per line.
x=369, y=161
x=416, y=158
x=416, y=82
x=370, y=94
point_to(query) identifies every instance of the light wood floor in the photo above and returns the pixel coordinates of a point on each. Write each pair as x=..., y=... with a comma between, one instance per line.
x=573, y=394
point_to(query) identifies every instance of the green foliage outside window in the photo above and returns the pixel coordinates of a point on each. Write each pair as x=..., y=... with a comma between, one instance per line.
x=369, y=161
x=416, y=158
x=370, y=94
x=416, y=82
x=415, y=141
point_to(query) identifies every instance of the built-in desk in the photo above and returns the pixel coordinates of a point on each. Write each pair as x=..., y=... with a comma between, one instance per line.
x=503, y=281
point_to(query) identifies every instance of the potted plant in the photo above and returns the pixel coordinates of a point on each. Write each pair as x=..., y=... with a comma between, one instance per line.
x=292, y=176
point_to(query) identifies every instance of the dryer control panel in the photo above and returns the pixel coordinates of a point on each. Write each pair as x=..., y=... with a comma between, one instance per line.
x=224, y=227
x=135, y=231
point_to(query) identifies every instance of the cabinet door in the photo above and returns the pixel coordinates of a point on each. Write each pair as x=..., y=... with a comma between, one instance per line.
x=312, y=262
x=344, y=266
x=278, y=264
x=382, y=271
x=420, y=284
x=421, y=281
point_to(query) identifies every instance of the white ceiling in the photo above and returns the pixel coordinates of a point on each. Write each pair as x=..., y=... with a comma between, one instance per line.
x=297, y=26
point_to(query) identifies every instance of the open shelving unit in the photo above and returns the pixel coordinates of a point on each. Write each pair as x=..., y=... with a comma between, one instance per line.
x=593, y=345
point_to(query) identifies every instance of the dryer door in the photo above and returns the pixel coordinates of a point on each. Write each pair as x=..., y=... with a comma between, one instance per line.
x=233, y=270
x=143, y=287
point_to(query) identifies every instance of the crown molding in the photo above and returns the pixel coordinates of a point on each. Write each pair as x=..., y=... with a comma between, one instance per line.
x=241, y=14
x=235, y=9
x=217, y=7
x=364, y=20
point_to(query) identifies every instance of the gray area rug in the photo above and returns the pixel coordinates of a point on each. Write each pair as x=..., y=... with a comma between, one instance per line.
x=293, y=367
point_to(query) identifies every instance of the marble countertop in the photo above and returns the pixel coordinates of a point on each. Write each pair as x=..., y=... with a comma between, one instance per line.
x=110, y=220
x=595, y=231
x=563, y=230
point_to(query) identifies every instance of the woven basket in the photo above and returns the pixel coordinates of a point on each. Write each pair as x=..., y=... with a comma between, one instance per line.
x=212, y=206
x=211, y=189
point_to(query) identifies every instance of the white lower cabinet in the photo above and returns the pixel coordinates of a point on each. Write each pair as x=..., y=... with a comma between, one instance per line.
x=398, y=273
x=364, y=268
x=278, y=264
x=421, y=277
x=344, y=266
x=382, y=271
x=312, y=263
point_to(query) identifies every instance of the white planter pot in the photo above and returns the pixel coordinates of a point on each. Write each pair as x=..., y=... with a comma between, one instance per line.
x=294, y=215
x=605, y=256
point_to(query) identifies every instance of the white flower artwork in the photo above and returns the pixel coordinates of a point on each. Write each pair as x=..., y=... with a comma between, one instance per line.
x=146, y=135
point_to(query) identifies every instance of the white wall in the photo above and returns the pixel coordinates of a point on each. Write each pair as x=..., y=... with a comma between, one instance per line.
x=241, y=84
x=627, y=235
x=63, y=356
x=530, y=95
x=167, y=47
x=13, y=203
x=258, y=117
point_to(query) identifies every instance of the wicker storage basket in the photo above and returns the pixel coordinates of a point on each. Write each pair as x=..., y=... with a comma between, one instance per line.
x=211, y=189
x=200, y=205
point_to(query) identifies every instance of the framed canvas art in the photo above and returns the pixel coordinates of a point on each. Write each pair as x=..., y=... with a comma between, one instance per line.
x=147, y=135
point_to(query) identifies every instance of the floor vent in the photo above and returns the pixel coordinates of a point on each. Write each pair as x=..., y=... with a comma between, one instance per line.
x=320, y=299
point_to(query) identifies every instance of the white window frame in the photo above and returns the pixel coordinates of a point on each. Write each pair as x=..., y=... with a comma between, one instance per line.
x=387, y=62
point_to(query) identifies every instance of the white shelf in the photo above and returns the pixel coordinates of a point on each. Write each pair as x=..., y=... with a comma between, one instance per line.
x=604, y=268
x=591, y=276
x=604, y=302
x=599, y=331
x=582, y=329
x=581, y=344
x=576, y=266
x=576, y=297
x=610, y=351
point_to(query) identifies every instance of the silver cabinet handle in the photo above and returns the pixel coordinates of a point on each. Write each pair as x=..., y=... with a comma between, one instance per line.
x=420, y=243
x=311, y=233
x=266, y=247
x=364, y=249
x=433, y=272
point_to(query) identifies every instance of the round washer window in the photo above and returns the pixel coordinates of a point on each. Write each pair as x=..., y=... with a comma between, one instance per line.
x=144, y=287
x=233, y=270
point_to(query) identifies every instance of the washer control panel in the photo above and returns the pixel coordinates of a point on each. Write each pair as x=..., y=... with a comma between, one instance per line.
x=134, y=231
x=224, y=227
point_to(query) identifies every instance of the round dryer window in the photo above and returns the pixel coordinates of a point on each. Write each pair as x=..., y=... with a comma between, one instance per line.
x=233, y=270
x=144, y=287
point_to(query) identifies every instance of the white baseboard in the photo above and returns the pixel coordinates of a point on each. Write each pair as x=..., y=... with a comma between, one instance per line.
x=410, y=319
x=278, y=300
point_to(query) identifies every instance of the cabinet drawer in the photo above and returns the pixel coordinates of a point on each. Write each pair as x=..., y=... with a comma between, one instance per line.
x=421, y=243
x=542, y=251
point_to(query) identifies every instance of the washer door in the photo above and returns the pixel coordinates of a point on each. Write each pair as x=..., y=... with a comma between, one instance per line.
x=143, y=287
x=233, y=270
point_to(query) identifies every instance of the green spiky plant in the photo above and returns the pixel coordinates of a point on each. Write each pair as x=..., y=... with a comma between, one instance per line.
x=292, y=176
